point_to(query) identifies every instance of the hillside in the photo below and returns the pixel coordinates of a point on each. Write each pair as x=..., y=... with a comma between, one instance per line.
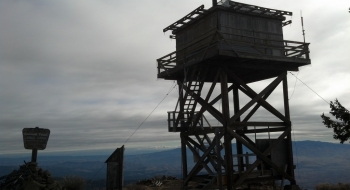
x=317, y=162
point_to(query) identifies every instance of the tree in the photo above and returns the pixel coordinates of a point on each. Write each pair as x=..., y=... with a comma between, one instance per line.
x=341, y=126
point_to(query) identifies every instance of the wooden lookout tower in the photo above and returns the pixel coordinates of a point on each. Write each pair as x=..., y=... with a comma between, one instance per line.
x=222, y=53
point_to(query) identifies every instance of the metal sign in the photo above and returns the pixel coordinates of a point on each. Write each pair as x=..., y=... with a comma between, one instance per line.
x=35, y=138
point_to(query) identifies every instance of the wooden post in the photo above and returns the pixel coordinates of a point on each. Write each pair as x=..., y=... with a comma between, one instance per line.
x=218, y=155
x=34, y=154
x=181, y=103
x=121, y=169
x=227, y=136
x=238, y=144
x=183, y=157
x=290, y=170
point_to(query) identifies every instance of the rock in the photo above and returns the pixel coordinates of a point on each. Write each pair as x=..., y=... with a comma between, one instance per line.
x=30, y=185
x=29, y=177
x=47, y=173
x=49, y=180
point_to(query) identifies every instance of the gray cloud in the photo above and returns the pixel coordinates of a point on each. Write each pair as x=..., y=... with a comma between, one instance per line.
x=87, y=70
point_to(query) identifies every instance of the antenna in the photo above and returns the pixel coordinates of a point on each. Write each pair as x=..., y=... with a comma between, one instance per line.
x=302, y=24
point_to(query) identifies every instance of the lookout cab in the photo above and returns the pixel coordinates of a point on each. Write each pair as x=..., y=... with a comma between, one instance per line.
x=221, y=51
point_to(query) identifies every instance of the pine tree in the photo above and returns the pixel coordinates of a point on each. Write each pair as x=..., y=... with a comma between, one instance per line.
x=341, y=126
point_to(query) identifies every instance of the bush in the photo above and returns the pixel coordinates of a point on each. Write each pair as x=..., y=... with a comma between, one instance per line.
x=73, y=183
x=339, y=186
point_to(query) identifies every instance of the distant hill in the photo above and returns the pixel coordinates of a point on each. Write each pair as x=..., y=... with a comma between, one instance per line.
x=320, y=162
x=317, y=162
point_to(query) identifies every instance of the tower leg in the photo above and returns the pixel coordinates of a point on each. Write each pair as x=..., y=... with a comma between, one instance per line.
x=184, y=158
x=238, y=144
x=218, y=155
x=290, y=169
x=227, y=136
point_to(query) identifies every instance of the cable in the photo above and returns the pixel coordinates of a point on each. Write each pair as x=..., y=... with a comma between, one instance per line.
x=89, y=181
x=309, y=88
x=171, y=89
x=295, y=84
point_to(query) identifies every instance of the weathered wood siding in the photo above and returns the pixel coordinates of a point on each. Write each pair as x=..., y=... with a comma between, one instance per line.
x=195, y=37
x=244, y=33
x=247, y=33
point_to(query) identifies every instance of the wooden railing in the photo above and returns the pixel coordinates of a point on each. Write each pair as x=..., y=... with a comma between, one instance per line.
x=173, y=126
x=166, y=62
x=296, y=49
x=290, y=49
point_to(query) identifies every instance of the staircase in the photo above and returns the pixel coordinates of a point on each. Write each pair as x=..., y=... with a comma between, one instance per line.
x=194, y=86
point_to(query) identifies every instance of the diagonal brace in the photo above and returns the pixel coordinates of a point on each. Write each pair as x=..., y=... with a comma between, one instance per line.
x=256, y=98
x=262, y=156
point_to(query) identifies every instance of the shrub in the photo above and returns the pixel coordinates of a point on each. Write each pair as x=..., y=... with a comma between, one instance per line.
x=73, y=183
x=339, y=186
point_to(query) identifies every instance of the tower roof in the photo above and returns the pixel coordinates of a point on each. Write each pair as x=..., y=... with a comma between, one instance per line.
x=231, y=6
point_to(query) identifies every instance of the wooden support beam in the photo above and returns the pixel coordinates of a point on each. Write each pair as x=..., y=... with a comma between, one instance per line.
x=261, y=156
x=247, y=139
x=194, y=170
x=249, y=92
x=257, y=97
x=226, y=124
x=212, y=161
x=212, y=87
x=181, y=101
x=239, y=146
x=194, y=143
x=214, y=112
x=276, y=129
x=251, y=113
x=219, y=159
x=285, y=96
x=258, y=124
x=217, y=98
x=205, y=130
x=256, y=163
x=290, y=170
x=195, y=153
x=267, y=106
x=183, y=156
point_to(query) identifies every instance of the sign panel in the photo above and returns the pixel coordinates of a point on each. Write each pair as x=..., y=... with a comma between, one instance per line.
x=35, y=138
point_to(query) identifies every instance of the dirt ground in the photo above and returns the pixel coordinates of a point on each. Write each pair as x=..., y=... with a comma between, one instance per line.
x=177, y=184
x=167, y=184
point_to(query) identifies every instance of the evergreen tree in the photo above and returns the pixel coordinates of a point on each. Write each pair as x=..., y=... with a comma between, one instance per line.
x=341, y=126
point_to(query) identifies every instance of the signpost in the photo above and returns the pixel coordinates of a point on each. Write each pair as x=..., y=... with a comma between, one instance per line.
x=35, y=139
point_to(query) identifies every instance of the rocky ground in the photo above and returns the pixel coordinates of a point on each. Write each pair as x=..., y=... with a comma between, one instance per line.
x=29, y=177
x=163, y=183
x=172, y=183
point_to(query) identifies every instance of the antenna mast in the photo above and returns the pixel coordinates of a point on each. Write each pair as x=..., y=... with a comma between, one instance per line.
x=302, y=24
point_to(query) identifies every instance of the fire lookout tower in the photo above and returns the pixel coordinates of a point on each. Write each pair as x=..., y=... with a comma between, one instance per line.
x=219, y=52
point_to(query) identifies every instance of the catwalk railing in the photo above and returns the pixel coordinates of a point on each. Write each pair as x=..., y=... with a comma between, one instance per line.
x=240, y=44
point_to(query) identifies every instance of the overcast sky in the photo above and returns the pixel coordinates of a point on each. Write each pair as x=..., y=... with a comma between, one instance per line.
x=86, y=70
